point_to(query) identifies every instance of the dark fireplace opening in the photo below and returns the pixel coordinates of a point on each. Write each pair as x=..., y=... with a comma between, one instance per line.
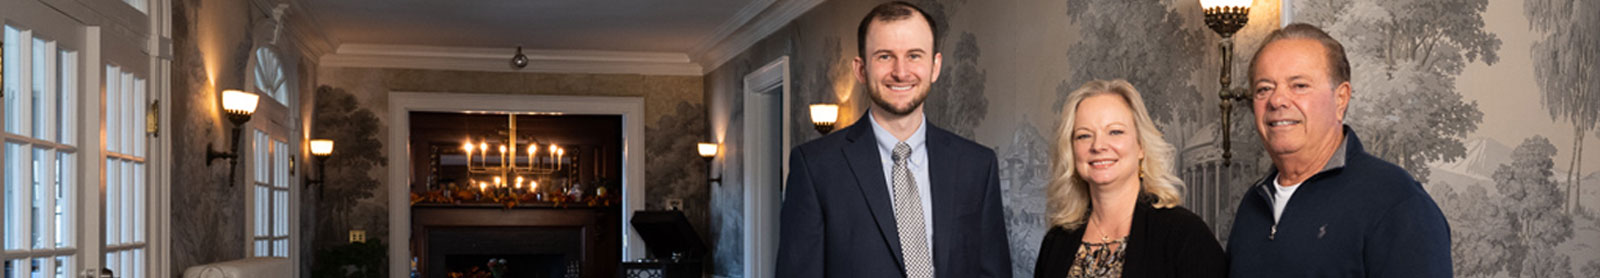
x=533, y=252
x=510, y=265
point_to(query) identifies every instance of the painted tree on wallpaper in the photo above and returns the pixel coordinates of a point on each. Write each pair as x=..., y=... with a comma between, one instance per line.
x=672, y=169
x=957, y=102
x=1533, y=205
x=1566, y=62
x=354, y=129
x=1145, y=42
x=1517, y=230
x=1405, y=56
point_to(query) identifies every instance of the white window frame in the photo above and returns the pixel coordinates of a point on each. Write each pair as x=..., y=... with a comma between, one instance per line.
x=270, y=225
x=281, y=122
x=127, y=175
x=32, y=128
x=268, y=75
x=102, y=32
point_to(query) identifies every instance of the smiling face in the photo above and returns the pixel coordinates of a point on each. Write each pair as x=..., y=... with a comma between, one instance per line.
x=899, y=64
x=1105, y=141
x=1298, y=108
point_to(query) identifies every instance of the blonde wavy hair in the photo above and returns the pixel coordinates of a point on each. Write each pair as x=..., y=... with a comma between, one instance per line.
x=1069, y=194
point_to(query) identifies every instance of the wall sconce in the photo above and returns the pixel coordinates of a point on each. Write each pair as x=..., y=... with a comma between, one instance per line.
x=1226, y=17
x=707, y=152
x=320, y=149
x=823, y=116
x=237, y=106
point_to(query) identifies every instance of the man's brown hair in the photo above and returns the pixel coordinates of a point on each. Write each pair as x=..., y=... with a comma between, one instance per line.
x=1338, y=65
x=892, y=11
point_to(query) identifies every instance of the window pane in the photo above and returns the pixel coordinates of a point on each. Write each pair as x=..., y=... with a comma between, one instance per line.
x=36, y=268
x=138, y=264
x=263, y=198
x=112, y=206
x=13, y=80
x=126, y=262
x=14, y=197
x=38, y=87
x=113, y=89
x=40, y=193
x=280, y=211
x=113, y=261
x=66, y=100
x=139, y=117
x=261, y=154
x=125, y=138
x=280, y=167
x=65, y=183
x=63, y=267
x=138, y=4
x=127, y=199
x=280, y=248
x=139, y=207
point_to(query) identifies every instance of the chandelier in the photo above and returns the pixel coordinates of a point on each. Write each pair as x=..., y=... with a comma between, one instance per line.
x=508, y=166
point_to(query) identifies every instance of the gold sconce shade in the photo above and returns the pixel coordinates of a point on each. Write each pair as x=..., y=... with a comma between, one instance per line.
x=1226, y=16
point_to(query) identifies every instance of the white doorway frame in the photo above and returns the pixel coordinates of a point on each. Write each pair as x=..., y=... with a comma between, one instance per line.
x=761, y=218
x=401, y=104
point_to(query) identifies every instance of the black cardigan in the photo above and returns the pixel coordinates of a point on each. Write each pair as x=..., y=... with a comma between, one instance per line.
x=1162, y=243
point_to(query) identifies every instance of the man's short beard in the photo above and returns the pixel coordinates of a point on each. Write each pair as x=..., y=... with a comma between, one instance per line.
x=877, y=98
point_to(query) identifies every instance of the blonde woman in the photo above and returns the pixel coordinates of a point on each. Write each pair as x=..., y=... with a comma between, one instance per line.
x=1114, y=199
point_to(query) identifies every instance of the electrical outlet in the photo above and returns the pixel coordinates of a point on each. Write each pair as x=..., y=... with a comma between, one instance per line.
x=675, y=204
x=358, y=236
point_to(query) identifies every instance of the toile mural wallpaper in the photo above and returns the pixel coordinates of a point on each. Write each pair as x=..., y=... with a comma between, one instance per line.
x=1490, y=103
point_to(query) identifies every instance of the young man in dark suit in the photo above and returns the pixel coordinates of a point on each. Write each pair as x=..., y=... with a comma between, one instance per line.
x=892, y=196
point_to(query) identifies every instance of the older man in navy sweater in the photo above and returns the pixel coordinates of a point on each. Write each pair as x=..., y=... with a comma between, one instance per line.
x=1327, y=208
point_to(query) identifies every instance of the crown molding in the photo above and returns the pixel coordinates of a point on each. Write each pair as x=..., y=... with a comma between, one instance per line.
x=749, y=12
x=307, y=30
x=498, y=59
x=720, y=50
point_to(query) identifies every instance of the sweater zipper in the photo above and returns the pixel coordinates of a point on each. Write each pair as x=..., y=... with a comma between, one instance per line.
x=1272, y=233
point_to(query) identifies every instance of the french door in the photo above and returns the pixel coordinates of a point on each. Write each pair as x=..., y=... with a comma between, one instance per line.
x=74, y=177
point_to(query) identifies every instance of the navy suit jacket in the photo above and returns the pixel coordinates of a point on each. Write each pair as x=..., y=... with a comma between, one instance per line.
x=838, y=216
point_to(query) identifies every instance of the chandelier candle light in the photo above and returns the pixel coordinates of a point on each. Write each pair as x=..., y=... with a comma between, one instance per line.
x=509, y=163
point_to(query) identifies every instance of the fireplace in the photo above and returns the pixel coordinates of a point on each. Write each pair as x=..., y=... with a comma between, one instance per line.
x=531, y=241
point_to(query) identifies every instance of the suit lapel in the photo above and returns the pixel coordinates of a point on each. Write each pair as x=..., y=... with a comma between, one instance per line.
x=942, y=173
x=862, y=153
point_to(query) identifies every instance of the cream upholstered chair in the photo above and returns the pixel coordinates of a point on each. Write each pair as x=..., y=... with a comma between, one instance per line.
x=245, y=268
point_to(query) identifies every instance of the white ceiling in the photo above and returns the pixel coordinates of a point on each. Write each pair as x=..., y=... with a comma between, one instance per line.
x=676, y=26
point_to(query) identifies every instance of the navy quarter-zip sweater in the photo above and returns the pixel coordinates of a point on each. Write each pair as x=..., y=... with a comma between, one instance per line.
x=1359, y=217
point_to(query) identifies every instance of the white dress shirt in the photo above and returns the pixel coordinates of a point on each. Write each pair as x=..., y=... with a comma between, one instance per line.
x=918, y=164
